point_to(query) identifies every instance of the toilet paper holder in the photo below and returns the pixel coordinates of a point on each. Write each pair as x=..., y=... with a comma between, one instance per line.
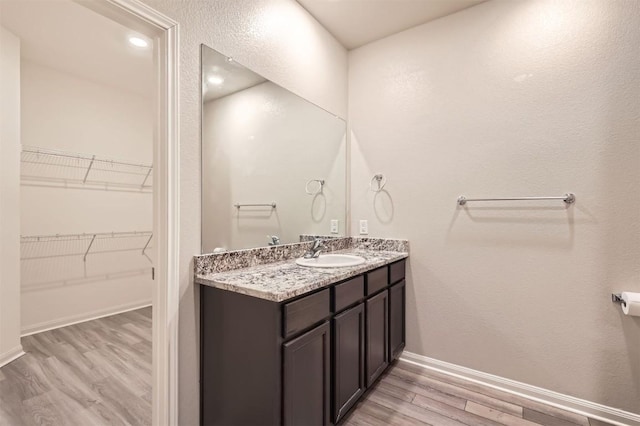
x=617, y=298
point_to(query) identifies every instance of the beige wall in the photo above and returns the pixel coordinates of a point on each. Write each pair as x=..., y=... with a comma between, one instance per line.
x=64, y=112
x=277, y=39
x=262, y=145
x=507, y=98
x=9, y=196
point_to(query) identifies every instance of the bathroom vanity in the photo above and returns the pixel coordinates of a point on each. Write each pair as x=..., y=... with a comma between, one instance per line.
x=301, y=345
x=284, y=343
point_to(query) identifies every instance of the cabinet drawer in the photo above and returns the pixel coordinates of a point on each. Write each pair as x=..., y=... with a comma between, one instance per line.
x=305, y=312
x=377, y=280
x=348, y=293
x=396, y=271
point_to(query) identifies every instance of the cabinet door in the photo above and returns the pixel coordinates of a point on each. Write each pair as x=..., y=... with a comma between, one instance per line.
x=377, y=336
x=397, y=301
x=306, y=378
x=348, y=350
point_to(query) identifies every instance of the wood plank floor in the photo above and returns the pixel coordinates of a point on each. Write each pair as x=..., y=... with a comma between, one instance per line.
x=414, y=396
x=99, y=373
x=94, y=373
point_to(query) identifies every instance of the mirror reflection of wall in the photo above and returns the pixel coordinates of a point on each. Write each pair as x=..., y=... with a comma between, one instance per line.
x=262, y=144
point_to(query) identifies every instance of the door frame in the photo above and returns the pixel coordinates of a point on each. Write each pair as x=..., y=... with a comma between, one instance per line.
x=163, y=30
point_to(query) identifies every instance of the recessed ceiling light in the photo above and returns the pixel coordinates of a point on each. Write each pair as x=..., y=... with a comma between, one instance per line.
x=215, y=79
x=138, y=42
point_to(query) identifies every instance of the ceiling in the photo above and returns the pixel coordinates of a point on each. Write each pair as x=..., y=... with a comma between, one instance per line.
x=222, y=76
x=69, y=37
x=357, y=22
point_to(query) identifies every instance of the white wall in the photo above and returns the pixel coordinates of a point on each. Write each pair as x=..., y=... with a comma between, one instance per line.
x=507, y=98
x=9, y=196
x=63, y=112
x=277, y=39
x=262, y=145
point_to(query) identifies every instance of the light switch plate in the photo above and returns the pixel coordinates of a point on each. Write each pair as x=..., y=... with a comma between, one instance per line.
x=364, y=227
x=334, y=226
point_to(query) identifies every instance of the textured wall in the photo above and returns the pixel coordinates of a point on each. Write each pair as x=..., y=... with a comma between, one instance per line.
x=277, y=39
x=511, y=98
x=9, y=194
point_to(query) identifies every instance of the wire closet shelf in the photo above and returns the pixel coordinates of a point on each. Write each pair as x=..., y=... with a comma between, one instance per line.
x=68, y=168
x=41, y=246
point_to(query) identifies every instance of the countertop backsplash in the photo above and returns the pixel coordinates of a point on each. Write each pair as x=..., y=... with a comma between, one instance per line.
x=237, y=259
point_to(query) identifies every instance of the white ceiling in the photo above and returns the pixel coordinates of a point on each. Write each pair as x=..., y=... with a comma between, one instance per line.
x=230, y=76
x=357, y=22
x=64, y=35
x=69, y=37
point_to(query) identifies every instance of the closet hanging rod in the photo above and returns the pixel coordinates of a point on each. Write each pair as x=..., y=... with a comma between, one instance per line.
x=79, y=156
x=101, y=168
x=272, y=205
x=91, y=238
x=568, y=198
x=91, y=235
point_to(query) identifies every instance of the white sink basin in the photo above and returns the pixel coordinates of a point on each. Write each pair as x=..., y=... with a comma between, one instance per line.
x=331, y=261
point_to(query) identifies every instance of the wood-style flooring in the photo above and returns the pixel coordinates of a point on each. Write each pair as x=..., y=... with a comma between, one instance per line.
x=99, y=373
x=414, y=396
x=94, y=373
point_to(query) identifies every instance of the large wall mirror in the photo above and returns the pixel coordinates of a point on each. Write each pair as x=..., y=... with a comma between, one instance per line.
x=273, y=164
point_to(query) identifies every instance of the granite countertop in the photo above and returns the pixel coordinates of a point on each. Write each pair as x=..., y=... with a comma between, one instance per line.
x=284, y=280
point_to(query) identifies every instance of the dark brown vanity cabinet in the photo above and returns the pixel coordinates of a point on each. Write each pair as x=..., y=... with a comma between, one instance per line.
x=397, y=332
x=348, y=360
x=307, y=378
x=304, y=361
x=377, y=336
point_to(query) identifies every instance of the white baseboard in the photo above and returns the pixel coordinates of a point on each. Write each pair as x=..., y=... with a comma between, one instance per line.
x=75, y=319
x=545, y=396
x=11, y=355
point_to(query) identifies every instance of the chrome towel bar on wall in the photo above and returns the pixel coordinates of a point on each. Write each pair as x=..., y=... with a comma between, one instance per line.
x=272, y=205
x=568, y=198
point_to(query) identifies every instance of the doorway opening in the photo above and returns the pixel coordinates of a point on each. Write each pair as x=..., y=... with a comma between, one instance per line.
x=98, y=187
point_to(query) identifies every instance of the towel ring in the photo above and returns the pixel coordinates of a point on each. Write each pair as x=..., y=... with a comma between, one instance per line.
x=382, y=181
x=320, y=186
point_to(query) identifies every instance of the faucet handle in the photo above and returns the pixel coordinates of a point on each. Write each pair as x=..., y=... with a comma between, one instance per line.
x=275, y=240
x=314, y=251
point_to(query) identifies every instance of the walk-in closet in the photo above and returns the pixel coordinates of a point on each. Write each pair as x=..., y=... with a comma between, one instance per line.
x=89, y=255
x=76, y=216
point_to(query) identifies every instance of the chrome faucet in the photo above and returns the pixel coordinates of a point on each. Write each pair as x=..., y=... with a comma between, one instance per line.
x=275, y=240
x=314, y=251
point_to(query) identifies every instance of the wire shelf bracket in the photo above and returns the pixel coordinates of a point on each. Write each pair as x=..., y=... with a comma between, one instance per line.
x=84, y=258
